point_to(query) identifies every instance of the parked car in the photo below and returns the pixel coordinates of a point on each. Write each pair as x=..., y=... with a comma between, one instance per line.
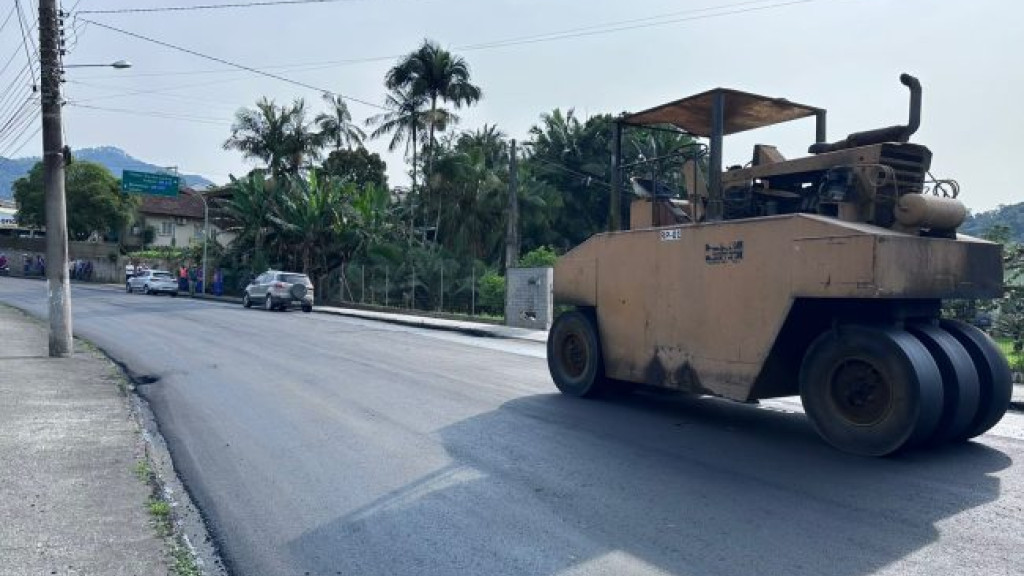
x=152, y=282
x=277, y=290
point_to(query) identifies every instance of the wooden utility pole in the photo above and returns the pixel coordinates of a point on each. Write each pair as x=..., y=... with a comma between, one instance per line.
x=57, y=281
x=512, y=232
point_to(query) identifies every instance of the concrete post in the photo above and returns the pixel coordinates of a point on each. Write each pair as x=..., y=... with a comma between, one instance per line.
x=57, y=277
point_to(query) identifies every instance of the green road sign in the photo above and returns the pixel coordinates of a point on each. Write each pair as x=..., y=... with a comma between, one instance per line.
x=134, y=182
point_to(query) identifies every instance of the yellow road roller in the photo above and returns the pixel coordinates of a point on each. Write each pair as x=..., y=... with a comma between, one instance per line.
x=821, y=276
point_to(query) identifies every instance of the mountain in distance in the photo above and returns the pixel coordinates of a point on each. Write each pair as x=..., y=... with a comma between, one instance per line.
x=1009, y=215
x=115, y=159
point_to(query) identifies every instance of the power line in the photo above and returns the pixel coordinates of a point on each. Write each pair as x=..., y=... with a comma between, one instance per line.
x=18, y=112
x=163, y=91
x=13, y=152
x=24, y=124
x=8, y=19
x=155, y=114
x=19, y=126
x=626, y=25
x=12, y=106
x=10, y=101
x=9, y=60
x=210, y=6
x=606, y=28
x=25, y=37
x=235, y=65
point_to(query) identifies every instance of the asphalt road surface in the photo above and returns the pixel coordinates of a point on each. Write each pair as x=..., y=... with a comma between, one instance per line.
x=320, y=445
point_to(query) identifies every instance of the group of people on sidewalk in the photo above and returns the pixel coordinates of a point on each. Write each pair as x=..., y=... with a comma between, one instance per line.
x=188, y=279
x=189, y=275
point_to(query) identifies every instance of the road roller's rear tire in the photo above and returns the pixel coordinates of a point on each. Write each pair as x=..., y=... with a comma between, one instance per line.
x=574, y=354
x=871, y=390
x=994, y=377
x=960, y=383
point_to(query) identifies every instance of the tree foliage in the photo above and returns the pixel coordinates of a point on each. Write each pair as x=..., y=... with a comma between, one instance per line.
x=280, y=136
x=95, y=203
x=538, y=258
x=336, y=127
x=358, y=165
x=452, y=222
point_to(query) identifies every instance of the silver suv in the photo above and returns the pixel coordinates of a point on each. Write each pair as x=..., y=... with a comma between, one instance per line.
x=276, y=290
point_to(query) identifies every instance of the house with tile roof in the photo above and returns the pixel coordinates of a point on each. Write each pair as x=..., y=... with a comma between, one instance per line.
x=175, y=220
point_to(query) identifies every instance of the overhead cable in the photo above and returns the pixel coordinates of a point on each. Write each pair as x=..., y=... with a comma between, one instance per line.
x=210, y=6
x=154, y=114
x=235, y=65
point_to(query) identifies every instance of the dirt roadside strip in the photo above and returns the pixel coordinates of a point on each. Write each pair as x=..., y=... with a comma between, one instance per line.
x=85, y=485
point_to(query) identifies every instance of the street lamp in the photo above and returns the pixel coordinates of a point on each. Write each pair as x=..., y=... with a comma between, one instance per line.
x=120, y=65
x=206, y=229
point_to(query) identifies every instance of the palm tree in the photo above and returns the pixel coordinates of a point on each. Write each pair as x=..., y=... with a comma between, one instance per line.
x=404, y=120
x=246, y=211
x=336, y=125
x=303, y=144
x=279, y=136
x=490, y=141
x=434, y=73
x=309, y=216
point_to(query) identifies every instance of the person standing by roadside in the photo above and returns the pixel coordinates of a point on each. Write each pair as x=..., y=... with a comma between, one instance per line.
x=182, y=278
x=192, y=280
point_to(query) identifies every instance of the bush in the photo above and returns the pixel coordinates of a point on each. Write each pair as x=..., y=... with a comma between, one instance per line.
x=492, y=292
x=542, y=257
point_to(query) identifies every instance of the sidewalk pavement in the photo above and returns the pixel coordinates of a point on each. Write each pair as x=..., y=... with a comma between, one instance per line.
x=466, y=327
x=70, y=503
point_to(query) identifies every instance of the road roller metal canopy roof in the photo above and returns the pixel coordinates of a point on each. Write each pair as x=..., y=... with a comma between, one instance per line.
x=743, y=111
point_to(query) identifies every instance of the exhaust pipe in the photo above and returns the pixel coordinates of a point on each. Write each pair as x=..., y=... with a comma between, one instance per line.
x=881, y=135
x=915, y=106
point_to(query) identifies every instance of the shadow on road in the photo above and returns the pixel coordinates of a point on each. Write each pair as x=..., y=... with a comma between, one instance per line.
x=648, y=484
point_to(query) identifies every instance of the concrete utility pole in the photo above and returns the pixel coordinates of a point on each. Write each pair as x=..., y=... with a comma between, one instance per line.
x=512, y=232
x=57, y=280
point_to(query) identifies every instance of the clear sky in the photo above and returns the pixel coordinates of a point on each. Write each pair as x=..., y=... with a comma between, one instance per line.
x=843, y=55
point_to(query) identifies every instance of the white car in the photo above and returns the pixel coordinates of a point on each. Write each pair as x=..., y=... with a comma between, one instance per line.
x=152, y=282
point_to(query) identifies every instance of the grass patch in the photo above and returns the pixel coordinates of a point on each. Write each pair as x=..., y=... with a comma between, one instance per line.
x=183, y=562
x=142, y=470
x=1016, y=359
x=159, y=509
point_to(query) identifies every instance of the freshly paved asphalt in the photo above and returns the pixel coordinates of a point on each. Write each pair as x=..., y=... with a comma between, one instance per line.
x=318, y=444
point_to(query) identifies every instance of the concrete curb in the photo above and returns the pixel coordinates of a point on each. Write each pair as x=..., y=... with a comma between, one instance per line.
x=478, y=329
x=469, y=328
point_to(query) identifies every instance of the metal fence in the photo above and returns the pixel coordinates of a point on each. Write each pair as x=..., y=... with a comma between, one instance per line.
x=448, y=287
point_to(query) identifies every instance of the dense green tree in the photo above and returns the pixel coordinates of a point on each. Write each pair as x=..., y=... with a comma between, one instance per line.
x=358, y=165
x=336, y=125
x=474, y=201
x=538, y=258
x=94, y=200
x=574, y=157
x=282, y=137
x=244, y=211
